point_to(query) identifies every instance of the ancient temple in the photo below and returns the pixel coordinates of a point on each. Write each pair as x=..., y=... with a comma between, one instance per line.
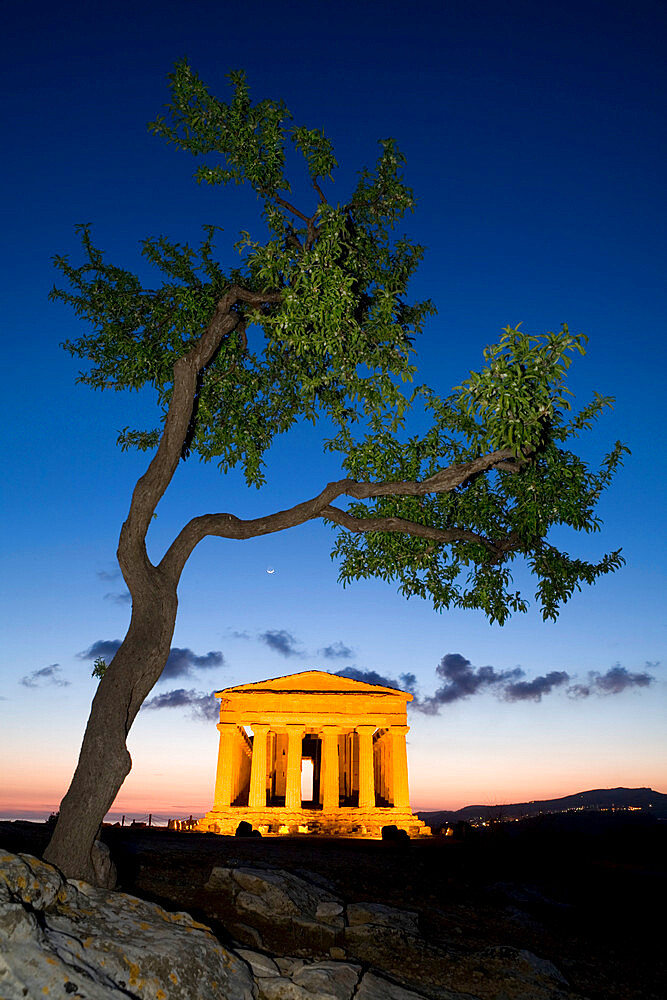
x=312, y=753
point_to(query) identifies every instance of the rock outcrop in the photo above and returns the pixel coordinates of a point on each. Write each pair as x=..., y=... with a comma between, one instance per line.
x=304, y=916
x=66, y=939
x=293, y=939
x=277, y=910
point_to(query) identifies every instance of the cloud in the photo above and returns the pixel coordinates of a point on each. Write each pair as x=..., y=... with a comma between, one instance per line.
x=103, y=647
x=533, y=690
x=281, y=641
x=123, y=597
x=406, y=682
x=579, y=691
x=44, y=677
x=108, y=577
x=616, y=680
x=182, y=662
x=462, y=680
x=336, y=651
x=203, y=707
x=619, y=678
x=286, y=644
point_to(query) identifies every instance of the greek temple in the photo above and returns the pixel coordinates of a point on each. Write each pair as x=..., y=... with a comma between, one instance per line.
x=313, y=753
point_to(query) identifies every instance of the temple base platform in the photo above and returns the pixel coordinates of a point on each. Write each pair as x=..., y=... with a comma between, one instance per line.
x=344, y=822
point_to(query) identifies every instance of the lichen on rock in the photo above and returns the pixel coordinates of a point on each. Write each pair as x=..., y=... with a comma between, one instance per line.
x=64, y=937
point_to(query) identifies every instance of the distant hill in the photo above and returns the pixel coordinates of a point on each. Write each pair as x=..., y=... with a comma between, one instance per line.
x=596, y=799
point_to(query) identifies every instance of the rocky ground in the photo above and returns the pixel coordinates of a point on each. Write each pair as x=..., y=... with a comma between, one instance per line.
x=539, y=911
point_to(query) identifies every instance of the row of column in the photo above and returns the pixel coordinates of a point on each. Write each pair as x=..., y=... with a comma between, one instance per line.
x=257, y=794
x=234, y=763
x=382, y=765
x=391, y=766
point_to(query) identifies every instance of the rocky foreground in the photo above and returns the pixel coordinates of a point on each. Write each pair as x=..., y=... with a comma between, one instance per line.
x=298, y=920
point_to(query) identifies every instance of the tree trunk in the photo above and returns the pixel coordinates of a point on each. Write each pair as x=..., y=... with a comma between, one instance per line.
x=104, y=760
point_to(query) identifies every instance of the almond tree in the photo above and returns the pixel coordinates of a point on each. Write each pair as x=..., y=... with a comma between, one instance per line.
x=313, y=321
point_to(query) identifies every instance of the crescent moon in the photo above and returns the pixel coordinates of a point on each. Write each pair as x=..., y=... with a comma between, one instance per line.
x=270, y=569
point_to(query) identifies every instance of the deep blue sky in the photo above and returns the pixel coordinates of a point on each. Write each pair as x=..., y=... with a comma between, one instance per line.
x=535, y=140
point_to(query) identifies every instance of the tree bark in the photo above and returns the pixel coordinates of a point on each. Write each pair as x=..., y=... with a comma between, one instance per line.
x=104, y=760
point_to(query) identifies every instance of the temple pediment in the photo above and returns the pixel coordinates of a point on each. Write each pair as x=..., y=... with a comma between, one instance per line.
x=313, y=682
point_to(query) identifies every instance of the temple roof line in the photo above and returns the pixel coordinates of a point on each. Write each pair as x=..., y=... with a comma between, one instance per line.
x=314, y=682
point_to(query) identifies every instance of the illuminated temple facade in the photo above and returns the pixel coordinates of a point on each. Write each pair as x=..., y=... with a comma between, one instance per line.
x=312, y=753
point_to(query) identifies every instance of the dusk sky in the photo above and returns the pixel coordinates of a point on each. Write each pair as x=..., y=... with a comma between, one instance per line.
x=535, y=138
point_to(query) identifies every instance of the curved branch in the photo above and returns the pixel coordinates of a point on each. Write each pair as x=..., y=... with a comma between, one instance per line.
x=402, y=526
x=442, y=481
x=152, y=485
x=230, y=526
x=225, y=525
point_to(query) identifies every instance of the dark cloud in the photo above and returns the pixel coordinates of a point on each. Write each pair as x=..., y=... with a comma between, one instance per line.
x=619, y=678
x=533, y=690
x=103, y=647
x=616, y=680
x=579, y=690
x=462, y=680
x=281, y=641
x=108, y=577
x=45, y=676
x=336, y=651
x=406, y=682
x=182, y=662
x=123, y=597
x=203, y=707
x=238, y=633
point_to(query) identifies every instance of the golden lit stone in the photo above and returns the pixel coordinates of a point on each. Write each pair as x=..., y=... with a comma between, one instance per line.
x=327, y=755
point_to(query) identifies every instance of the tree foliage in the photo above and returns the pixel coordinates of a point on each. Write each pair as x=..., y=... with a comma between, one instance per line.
x=319, y=324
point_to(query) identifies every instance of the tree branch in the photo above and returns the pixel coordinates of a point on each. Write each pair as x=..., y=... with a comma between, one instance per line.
x=292, y=209
x=152, y=485
x=404, y=527
x=444, y=481
x=230, y=526
x=323, y=200
x=312, y=234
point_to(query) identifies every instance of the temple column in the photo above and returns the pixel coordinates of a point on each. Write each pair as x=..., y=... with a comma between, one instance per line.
x=331, y=791
x=381, y=753
x=224, y=775
x=293, y=778
x=366, y=776
x=257, y=796
x=399, y=767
